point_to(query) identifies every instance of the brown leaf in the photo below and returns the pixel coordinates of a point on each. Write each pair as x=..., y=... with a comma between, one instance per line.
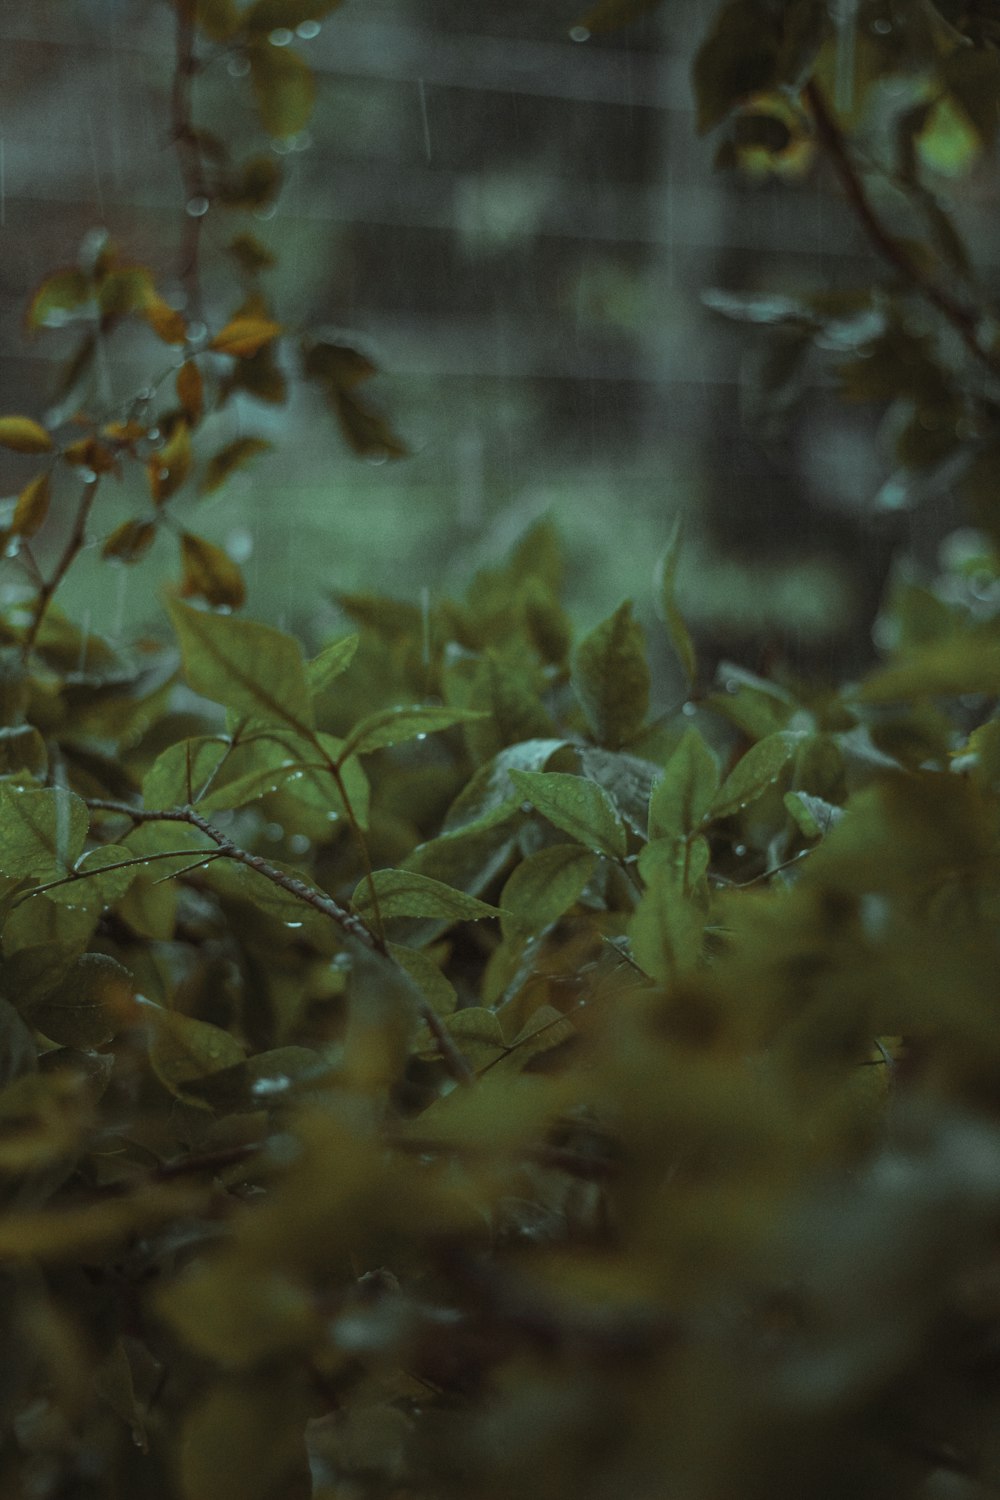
x=169, y=468
x=165, y=321
x=230, y=458
x=243, y=336
x=366, y=430
x=130, y=541
x=210, y=573
x=190, y=390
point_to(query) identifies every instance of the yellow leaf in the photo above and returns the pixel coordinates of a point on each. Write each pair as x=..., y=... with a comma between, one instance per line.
x=233, y=456
x=169, y=468
x=88, y=453
x=244, y=336
x=32, y=506
x=24, y=435
x=210, y=573
x=130, y=541
x=283, y=86
x=165, y=321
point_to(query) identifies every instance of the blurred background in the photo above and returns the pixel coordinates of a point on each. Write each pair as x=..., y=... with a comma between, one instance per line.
x=517, y=222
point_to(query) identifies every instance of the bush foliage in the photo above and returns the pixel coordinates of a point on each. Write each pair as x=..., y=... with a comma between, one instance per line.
x=429, y=1068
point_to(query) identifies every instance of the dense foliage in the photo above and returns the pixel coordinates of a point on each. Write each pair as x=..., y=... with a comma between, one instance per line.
x=427, y=1069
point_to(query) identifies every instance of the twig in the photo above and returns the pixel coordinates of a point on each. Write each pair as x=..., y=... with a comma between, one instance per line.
x=351, y=925
x=964, y=319
x=74, y=545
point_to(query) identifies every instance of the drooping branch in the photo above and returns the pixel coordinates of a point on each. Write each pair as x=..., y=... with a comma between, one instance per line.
x=354, y=927
x=964, y=319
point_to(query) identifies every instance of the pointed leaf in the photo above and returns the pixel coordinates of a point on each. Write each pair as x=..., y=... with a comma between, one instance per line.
x=210, y=573
x=130, y=541
x=235, y=455
x=24, y=435
x=244, y=336
x=578, y=806
x=32, y=506
x=252, y=668
x=666, y=607
x=759, y=768
x=190, y=390
x=331, y=661
x=684, y=793
x=610, y=675
x=284, y=88
x=182, y=1049
x=42, y=831
x=543, y=887
x=94, y=1002
x=404, y=893
x=392, y=726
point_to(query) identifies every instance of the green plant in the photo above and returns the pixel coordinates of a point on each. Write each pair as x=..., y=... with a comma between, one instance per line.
x=432, y=1069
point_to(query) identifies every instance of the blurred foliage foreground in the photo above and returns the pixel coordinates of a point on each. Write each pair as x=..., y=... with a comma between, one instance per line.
x=425, y=1073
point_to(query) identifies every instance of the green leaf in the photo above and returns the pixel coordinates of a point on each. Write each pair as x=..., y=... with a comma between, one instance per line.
x=814, y=816
x=393, y=726
x=609, y=15
x=178, y=773
x=477, y=1034
x=96, y=885
x=284, y=88
x=739, y=57
x=92, y=1003
x=666, y=928
x=943, y=669
x=218, y=19
x=491, y=797
x=182, y=1049
x=331, y=661
x=666, y=607
x=684, y=793
x=405, y=893
x=543, y=887
x=436, y=988
x=578, y=806
x=244, y=1440
x=42, y=831
x=237, y=1315
x=610, y=675
x=759, y=768
x=252, y=668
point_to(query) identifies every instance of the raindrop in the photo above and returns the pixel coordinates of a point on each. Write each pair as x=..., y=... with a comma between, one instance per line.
x=341, y=961
x=283, y=147
x=293, y=924
x=739, y=850
x=196, y=333
x=579, y=34
x=265, y=213
x=13, y=547
x=145, y=394
x=272, y=831
x=421, y=736
x=689, y=710
x=153, y=434
x=333, y=817
x=239, y=544
x=197, y=208
x=731, y=685
x=882, y=26
x=302, y=141
x=307, y=30
x=88, y=476
x=281, y=36
x=299, y=844
x=239, y=67
x=377, y=459
x=280, y=1083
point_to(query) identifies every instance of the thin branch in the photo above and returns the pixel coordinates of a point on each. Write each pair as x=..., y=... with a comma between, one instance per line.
x=119, y=864
x=350, y=924
x=965, y=320
x=73, y=547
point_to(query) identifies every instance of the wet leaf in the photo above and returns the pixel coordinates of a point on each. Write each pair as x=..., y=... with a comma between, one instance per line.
x=405, y=893
x=210, y=573
x=331, y=662
x=578, y=806
x=57, y=297
x=182, y=1049
x=24, y=435
x=759, y=768
x=543, y=887
x=367, y=432
x=684, y=793
x=166, y=322
x=235, y=455
x=337, y=365
x=610, y=676
x=251, y=668
x=32, y=506
x=394, y=726
x=42, y=831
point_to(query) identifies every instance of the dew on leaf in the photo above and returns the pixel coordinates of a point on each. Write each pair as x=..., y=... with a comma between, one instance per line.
x=197, y=207
x=689, y=710
x=281, y=36
x=299, y=843
x=579, y=34
x=239, y=67
x=307, y=30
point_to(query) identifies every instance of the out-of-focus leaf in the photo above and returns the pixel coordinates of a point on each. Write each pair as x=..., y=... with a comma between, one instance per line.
x=393, y=726
x=609, y=15
x=337, y=365
x=943, y=669
x=190, y=390
x=32, y=506
x=283, y=86
x=250, y=255
x=92, y=1004
x=252, y=668
x=366, y=431
x=237, y=1316
x=243, y=337
x=331, y=662
x=170, y=466
x=130, y=541
x=58, y=297
x=256, y=185
x=235, y=455
x=24, y=435
x=610, y=676
x=244, y=1440
x=166, y=322
x=666, y=606
x=268, y=15
x=218, y=19
x=738, y=58
x=666, y=928
x=210, y=573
